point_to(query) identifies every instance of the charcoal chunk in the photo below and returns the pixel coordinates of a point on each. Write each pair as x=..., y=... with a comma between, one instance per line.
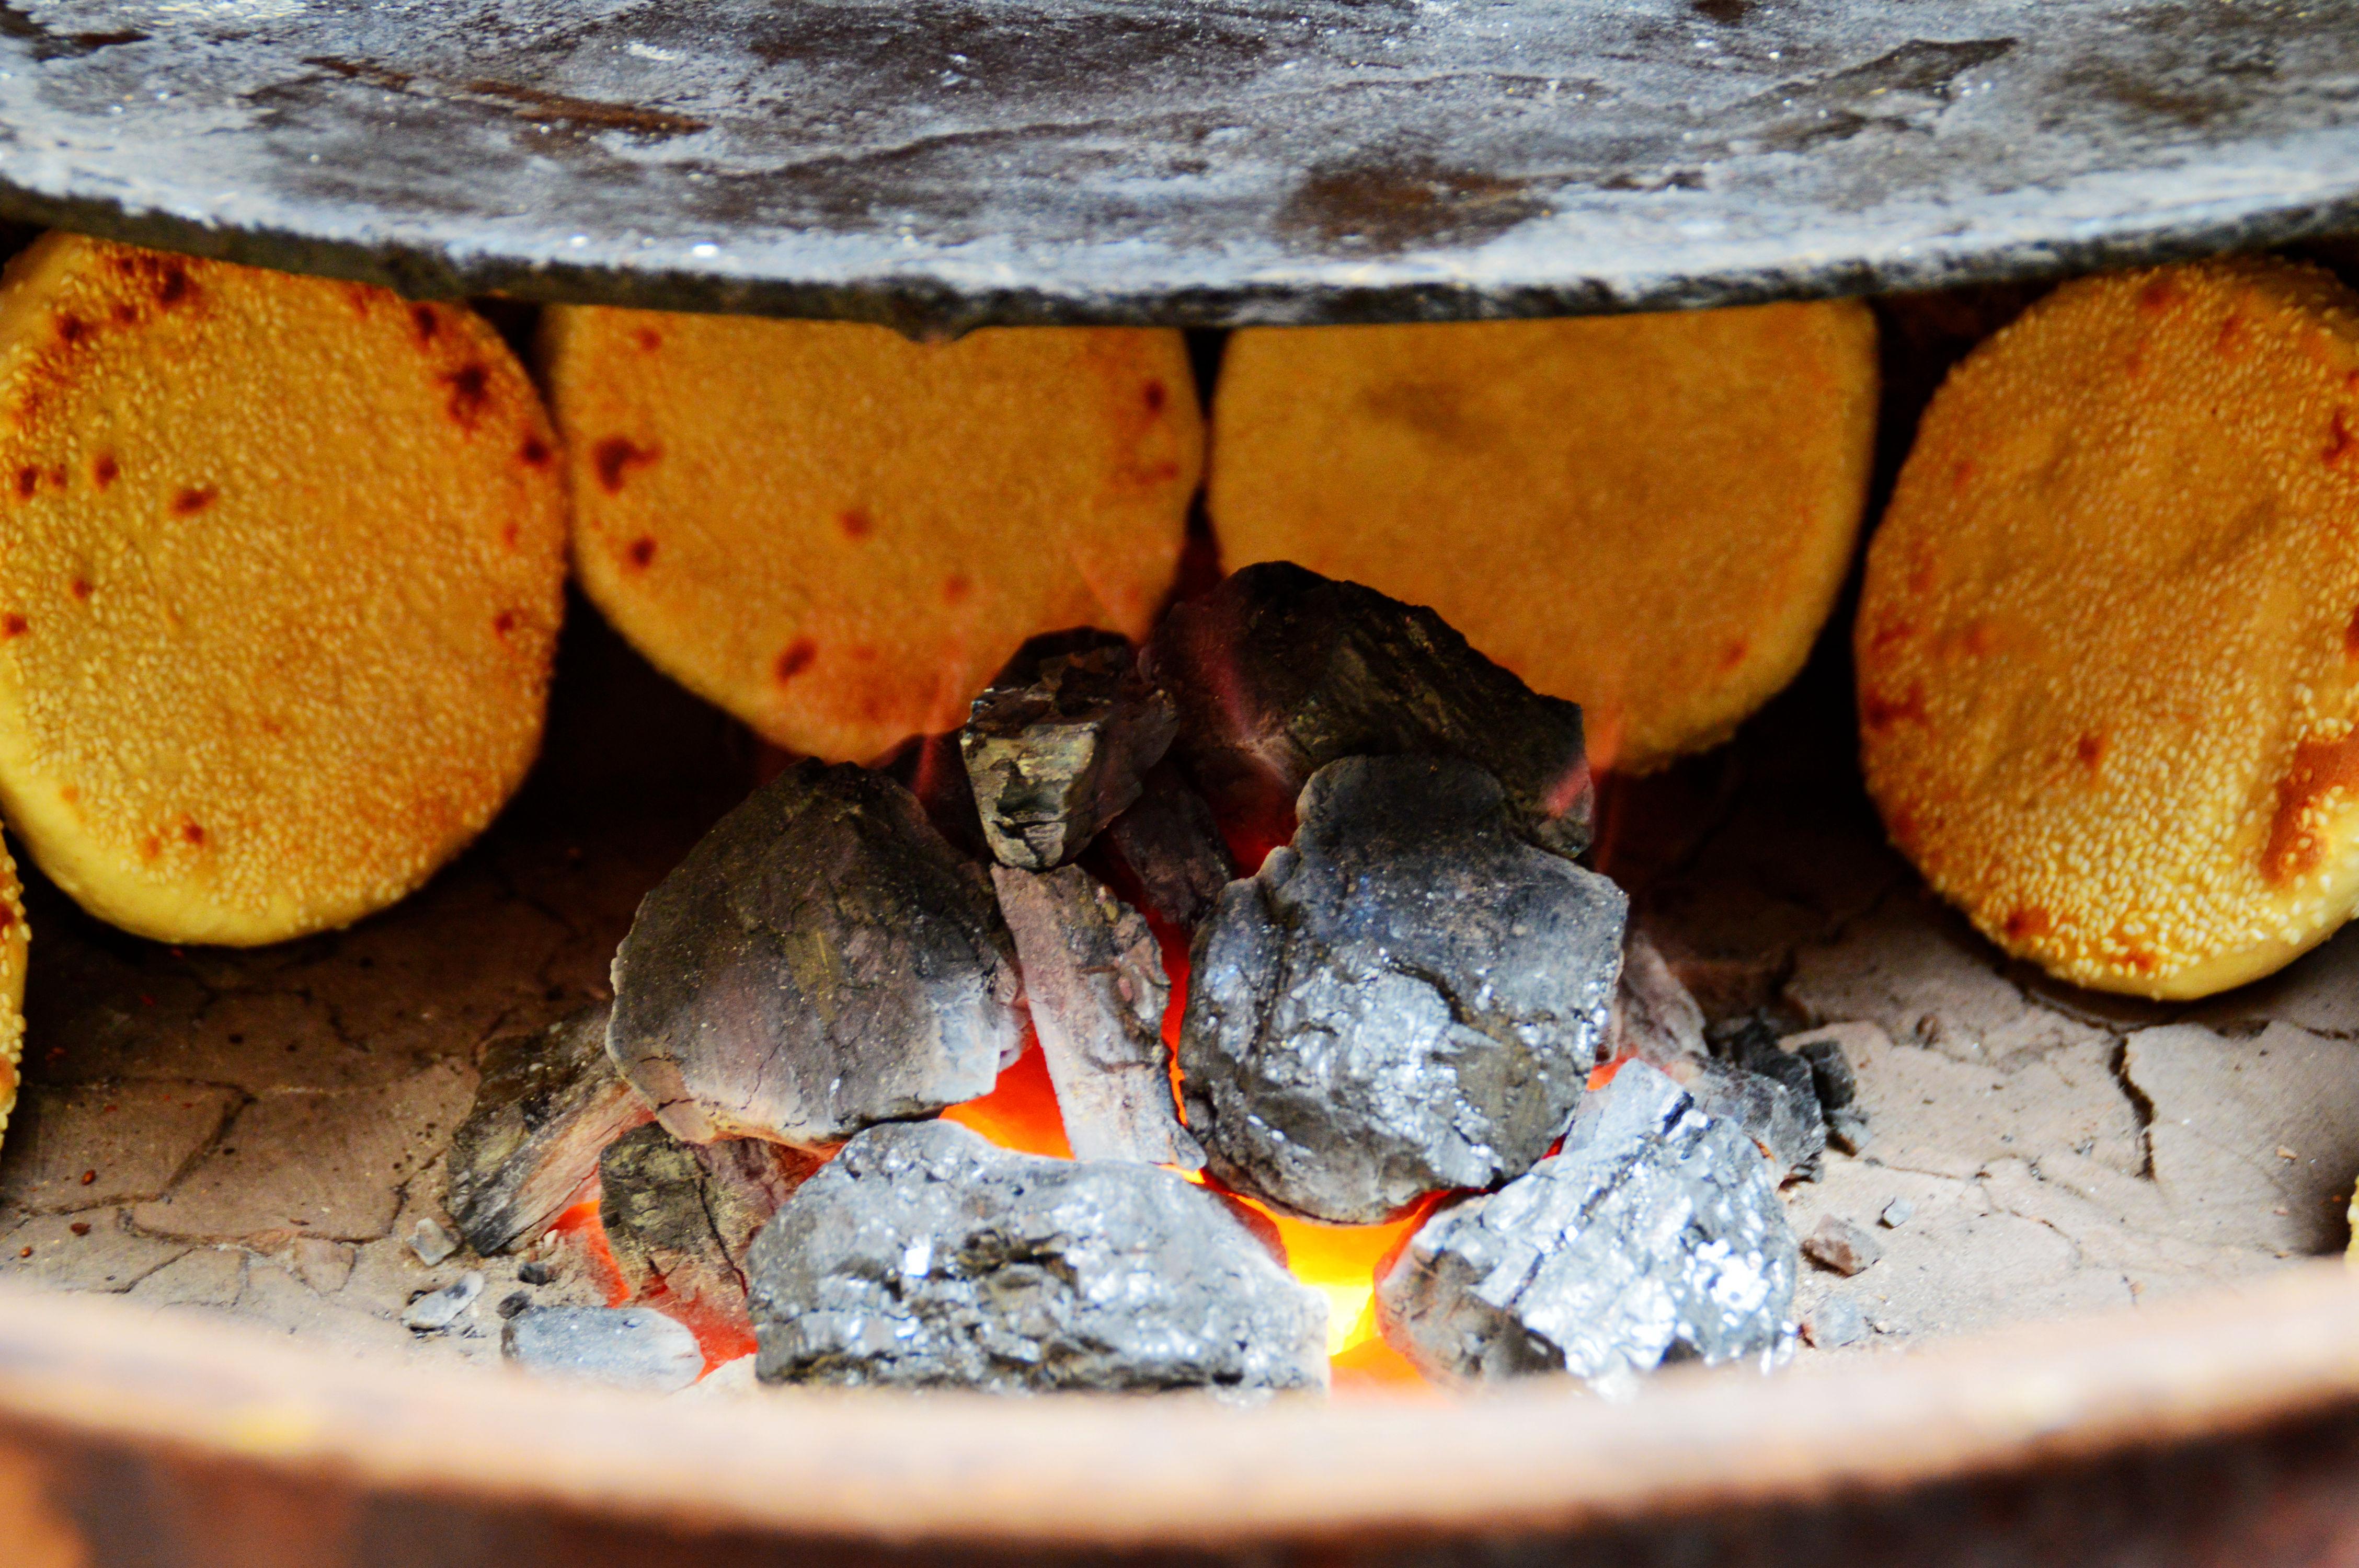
x=685, y=1214
x=1788, y=1129
x=548, y=1102
x=1654, y=1019
x=1094, y=978
x=1170, y=843
x=1752, y=1047
x=1057, y=745
x=1830, y=1074
x=823, y=961
x=923, y=1257
x=1655, y=1233
x=623, y=1347
x=1279, y=671
x=1408, y=999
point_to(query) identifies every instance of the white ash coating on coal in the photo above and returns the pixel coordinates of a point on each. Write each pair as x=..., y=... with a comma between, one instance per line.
x=923, y=1257
x=1093, y=978
x=1279, y=671
x=1409, y=999
x=823, y=960
x=623, y=1348
x=549, y=1100
x=1655, y=1234
x=1057, y=745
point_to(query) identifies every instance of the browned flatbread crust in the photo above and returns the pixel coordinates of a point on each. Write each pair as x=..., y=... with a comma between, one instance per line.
x=281, y=568
x=2108, y=648
x=838, y=535
x=1649, y=515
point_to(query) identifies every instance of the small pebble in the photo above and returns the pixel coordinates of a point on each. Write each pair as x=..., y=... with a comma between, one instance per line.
x=1898, y=1213
x=624, y=1347
x=430, y=1241
x=1841, y=1246
x=536, y=1274
x=1836, y=1321
x=436, y=1310
x=514, y=1302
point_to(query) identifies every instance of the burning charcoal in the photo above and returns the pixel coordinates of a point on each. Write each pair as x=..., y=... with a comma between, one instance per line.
x=1171, y=843
x=823, y=961
x=1831, y=1076
x=685, y=1214
x=1898, y=1213
x=1656, y=1232
x=1094, y=978
x=437, y=1310
x=1838, y=1245
x=923, y=1257
x=930, y=767
x=1789, y=1132
x=623, y=1347
x=1056, y=745
x=1280, y=672
x=430, y=1241
x=548, y=1102
x=1654, y=1019
x=1836, y=1323
x=1409, y=999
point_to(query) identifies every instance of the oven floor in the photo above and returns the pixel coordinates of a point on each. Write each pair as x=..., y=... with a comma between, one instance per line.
x=256, y=1133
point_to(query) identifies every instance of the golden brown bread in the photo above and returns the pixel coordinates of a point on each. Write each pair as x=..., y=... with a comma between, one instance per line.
x=839, y=535
x=281, y=564
x=2108, y=647
x=16, y=941
x=1649, y=515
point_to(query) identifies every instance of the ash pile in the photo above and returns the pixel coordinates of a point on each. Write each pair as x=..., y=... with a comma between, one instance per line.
x=1414, y=1001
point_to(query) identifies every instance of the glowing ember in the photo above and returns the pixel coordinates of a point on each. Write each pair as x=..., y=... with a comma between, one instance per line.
x=721, y=1333
x=581, y=1227
x=1020, y=1112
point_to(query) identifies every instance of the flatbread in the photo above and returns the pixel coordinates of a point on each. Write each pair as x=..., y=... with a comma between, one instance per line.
x=1649, y=515
x=837, y=535
x=281, y=568
x=2108, y=644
